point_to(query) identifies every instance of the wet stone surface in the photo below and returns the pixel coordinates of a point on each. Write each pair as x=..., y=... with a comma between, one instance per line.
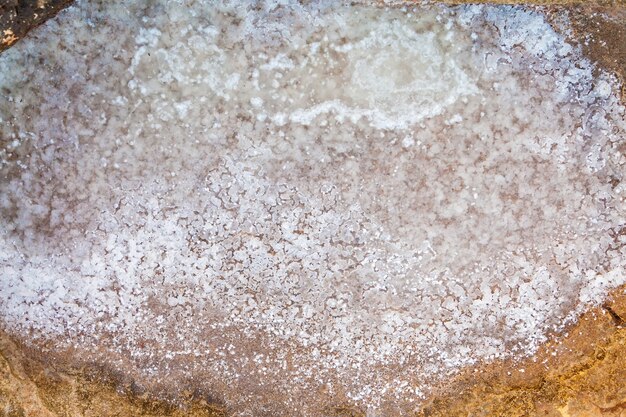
x=290, y=208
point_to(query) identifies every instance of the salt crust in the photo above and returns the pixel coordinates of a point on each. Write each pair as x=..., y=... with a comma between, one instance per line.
x=305, y=199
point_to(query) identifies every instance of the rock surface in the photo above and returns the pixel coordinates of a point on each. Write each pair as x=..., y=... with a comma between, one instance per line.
x=18, y=17
x=534, y=390
x=585, y=378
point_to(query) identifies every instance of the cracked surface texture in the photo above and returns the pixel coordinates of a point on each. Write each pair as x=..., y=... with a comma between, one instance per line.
x=287, y=203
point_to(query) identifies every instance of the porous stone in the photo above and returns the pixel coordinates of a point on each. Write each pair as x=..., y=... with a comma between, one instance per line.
x=297, y=205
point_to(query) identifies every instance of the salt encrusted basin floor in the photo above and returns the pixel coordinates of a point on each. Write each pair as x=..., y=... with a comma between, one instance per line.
x=288, y=206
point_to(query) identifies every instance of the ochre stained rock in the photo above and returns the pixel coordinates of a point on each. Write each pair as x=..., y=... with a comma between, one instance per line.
x=580, y=373
x=32, y=385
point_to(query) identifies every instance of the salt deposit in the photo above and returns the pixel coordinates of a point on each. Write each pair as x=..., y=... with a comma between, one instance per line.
x=291, y=205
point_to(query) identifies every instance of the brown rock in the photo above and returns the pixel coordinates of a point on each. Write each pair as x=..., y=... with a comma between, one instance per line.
x=17, y=17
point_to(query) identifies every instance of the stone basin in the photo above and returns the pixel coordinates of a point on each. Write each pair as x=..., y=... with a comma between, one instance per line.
x=313, y=209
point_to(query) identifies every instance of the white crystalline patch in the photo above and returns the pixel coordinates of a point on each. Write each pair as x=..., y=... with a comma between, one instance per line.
x=397, y=86
x=297, y=200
